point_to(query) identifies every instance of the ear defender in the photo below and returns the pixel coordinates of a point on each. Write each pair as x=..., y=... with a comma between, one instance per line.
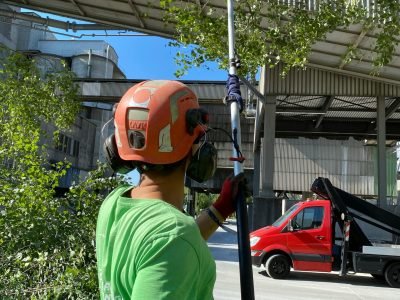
x=203, y=164
x=110, y=151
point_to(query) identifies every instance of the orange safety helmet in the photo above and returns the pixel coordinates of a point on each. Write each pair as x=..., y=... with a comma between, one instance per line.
x=150, y=122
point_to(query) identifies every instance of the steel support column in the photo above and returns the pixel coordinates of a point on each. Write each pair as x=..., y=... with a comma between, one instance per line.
x=256, y=173
x=381, y=140
x=266, y=207
x=256, y=182
x=268, y=146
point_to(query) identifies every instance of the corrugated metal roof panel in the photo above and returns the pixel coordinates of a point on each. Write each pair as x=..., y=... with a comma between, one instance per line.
x=296, y=116
x=330, y=48
x=354, y=102
x=315, y=81
x=300, y=101
x=348, y=164
x=350, y=115
x=395, y=116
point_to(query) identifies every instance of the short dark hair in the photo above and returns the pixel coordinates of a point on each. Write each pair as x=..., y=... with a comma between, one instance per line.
x=163, y=169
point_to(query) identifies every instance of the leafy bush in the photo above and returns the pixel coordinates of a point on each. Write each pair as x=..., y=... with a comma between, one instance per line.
x=46, y=243
x=203, y=201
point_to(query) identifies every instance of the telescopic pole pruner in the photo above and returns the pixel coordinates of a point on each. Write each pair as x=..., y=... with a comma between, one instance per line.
x=245, y=266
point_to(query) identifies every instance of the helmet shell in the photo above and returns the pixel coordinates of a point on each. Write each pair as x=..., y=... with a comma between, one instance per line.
x=150, y=122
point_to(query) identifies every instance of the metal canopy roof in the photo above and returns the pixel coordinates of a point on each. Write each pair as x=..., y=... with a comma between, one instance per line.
x=147, y=16
x=345, y=92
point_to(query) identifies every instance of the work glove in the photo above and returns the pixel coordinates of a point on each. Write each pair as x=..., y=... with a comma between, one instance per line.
x=226, y=202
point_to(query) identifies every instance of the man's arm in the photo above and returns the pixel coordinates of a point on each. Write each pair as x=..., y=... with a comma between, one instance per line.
x=206, y=222
x=215, y=215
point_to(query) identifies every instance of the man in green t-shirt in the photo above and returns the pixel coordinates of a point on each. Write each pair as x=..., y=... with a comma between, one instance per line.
x=147, y=248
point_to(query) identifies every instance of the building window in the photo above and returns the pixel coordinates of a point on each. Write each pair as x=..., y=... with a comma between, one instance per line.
x=67, y=145
x=75, y=151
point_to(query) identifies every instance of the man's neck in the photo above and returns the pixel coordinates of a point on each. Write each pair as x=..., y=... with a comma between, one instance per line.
x=169, y=188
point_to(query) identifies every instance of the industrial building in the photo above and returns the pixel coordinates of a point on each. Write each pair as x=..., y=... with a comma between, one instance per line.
x=81, y=145
x=332, y=120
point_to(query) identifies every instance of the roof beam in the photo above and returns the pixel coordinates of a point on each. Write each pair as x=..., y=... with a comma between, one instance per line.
x=256, y=92
x=82, y=13
x=354, y=46
x=136, y=12
x=392, y=108
x=358, y=129
x=338, y=56
x=324, y=109
x=314, y=111
x=328, y=41
x=54, y=23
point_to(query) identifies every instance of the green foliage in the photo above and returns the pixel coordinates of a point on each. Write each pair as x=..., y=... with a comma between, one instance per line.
x=270, y=32
x=203, y=201
x=46, y=243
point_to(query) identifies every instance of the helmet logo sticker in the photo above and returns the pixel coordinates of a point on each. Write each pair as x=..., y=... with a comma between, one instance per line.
x=138, y=125
x=164, y=139
x=142, y=96
x=173, y=102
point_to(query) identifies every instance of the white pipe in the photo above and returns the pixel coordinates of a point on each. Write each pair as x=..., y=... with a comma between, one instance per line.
x=235, y=120
x=89, y=65
x=106, y=69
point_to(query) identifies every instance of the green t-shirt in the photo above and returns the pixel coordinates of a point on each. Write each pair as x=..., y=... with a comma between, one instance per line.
x=147, y=249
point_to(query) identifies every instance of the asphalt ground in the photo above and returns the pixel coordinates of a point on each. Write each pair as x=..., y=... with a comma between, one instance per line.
x=298, y=286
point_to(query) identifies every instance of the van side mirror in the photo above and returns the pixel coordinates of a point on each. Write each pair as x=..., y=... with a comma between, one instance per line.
x=290, y=225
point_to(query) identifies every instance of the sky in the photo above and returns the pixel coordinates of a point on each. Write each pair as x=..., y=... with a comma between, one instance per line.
x=144, y=57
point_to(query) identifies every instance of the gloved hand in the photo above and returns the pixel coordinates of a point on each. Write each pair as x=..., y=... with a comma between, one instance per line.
x=226, y=202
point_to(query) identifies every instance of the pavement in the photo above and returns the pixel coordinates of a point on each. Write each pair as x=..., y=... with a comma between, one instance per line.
x=298, y=286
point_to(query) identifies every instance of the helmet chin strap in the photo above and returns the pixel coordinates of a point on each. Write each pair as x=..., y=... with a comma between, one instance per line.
x=104, y=128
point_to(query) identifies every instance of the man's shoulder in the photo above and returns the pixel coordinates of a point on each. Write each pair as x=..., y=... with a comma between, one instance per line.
x=119, y=190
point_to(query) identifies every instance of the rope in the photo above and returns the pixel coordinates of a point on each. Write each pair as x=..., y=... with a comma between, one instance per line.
x=233, y=91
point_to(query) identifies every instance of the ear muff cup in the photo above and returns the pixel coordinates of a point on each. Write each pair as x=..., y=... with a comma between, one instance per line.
x=110, y=151
x=203, y=163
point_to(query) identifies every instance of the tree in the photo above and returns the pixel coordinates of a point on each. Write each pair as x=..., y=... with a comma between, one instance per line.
x=273, y=31
x=46, y=243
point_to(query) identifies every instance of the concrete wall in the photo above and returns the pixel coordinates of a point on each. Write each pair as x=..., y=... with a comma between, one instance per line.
x=70, y=48
x=8, y=33
x=84, y=132
x=95, y=67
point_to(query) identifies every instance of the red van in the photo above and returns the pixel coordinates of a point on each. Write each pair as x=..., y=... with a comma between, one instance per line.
x=326, y=235
x=301, y=238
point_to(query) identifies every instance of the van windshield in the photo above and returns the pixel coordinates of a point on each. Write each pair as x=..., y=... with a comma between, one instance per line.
x=285, y=216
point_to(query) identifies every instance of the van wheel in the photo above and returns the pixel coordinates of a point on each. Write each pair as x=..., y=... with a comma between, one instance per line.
x=277, y=266
x=392, y=275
